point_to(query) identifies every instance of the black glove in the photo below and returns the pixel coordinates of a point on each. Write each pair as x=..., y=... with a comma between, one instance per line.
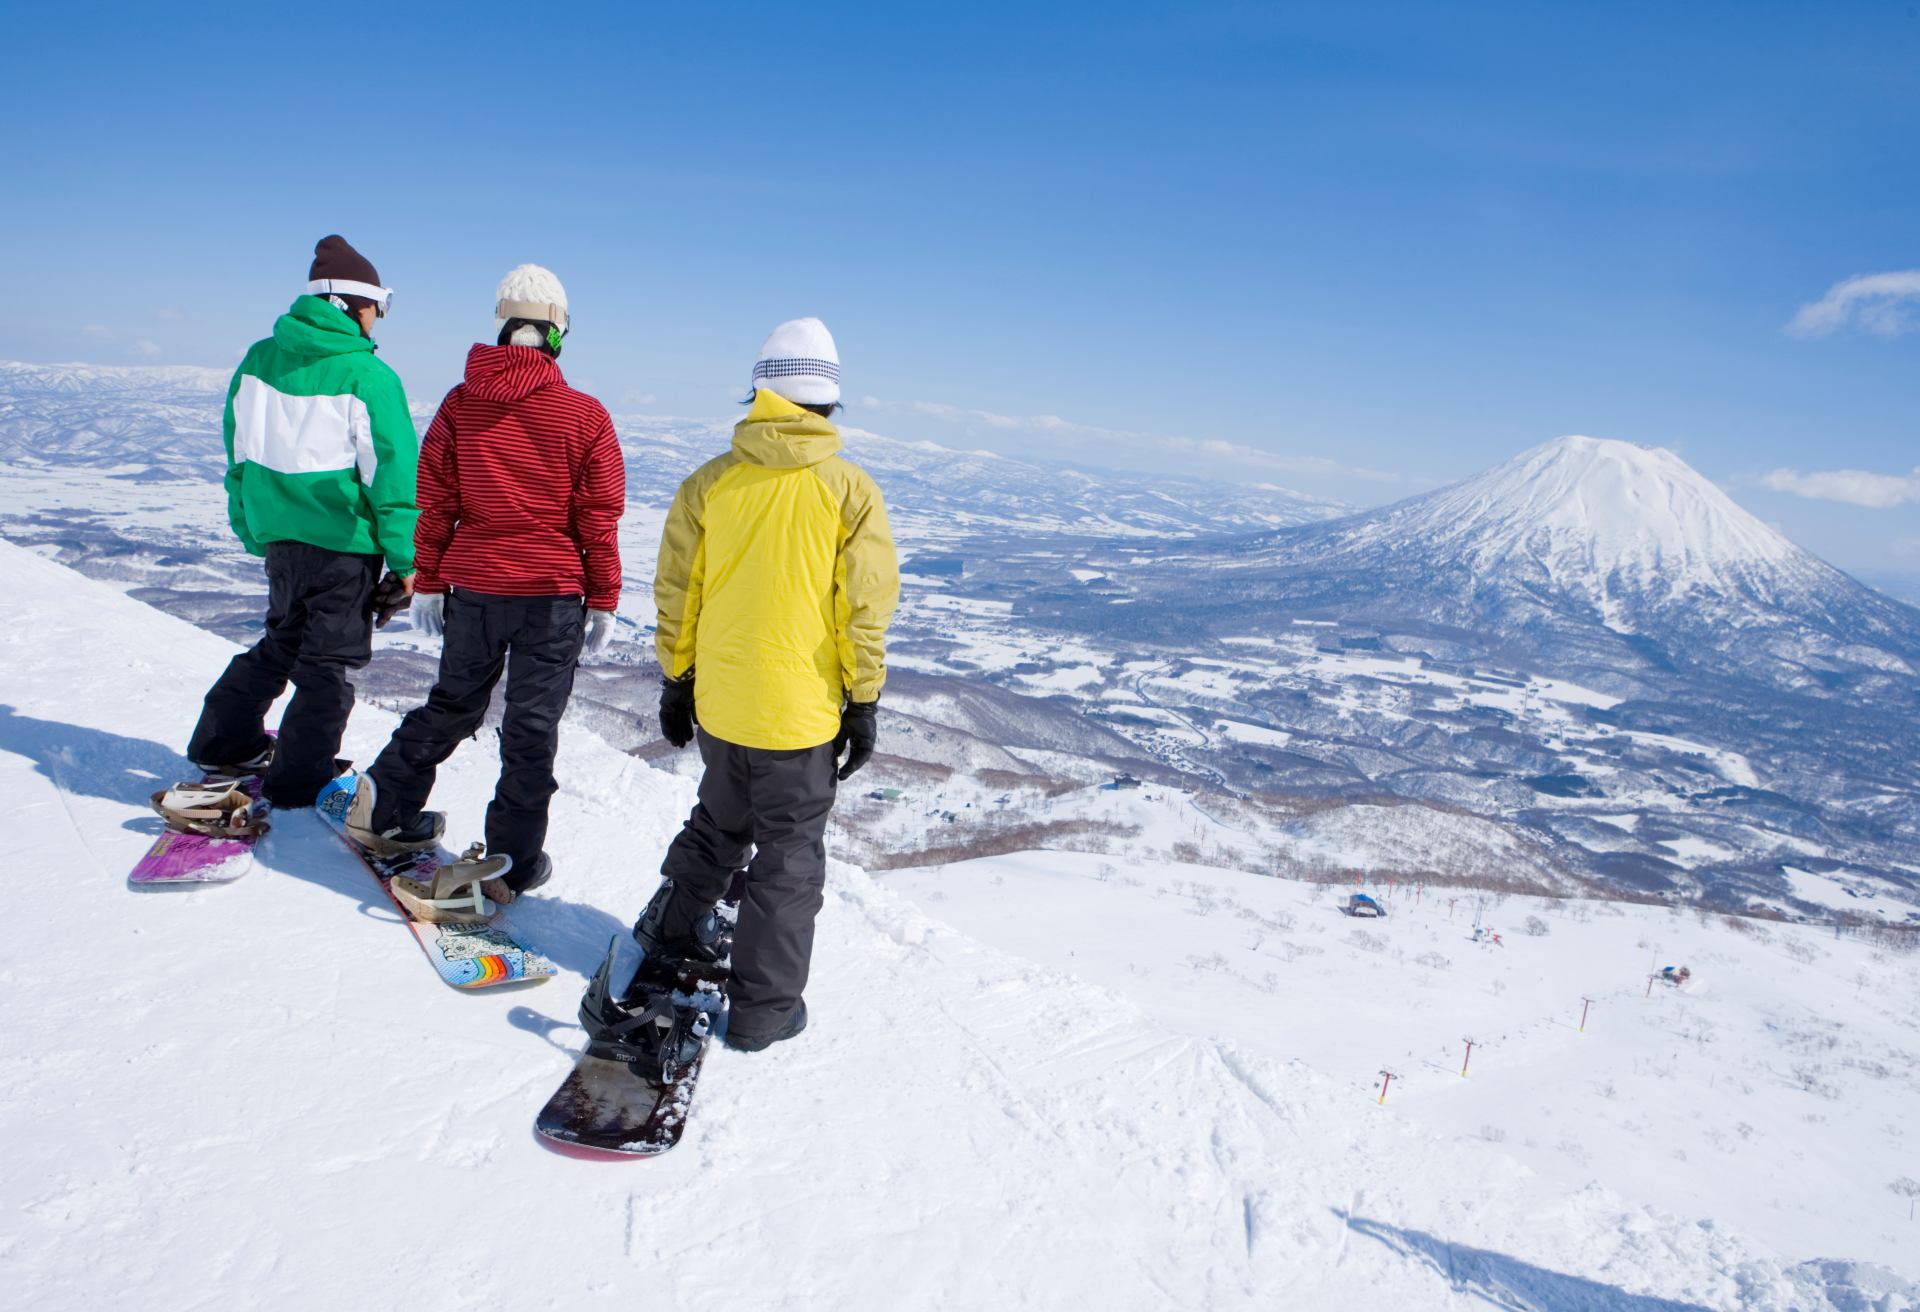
x=859, y=725
x=676, y=710
x=390, y=597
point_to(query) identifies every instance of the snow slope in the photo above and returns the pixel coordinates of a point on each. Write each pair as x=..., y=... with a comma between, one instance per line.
x=258, y=1094
x=1771, y=1095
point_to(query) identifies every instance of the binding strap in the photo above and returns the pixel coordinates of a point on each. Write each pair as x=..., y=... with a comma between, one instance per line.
x=660, y=1040
x=217, y=811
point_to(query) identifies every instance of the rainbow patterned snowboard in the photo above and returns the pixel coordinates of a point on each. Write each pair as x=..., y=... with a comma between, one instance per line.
x=467, y=956
x=178, y=859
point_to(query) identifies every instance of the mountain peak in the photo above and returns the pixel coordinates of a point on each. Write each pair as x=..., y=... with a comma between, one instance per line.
x=1603, y=518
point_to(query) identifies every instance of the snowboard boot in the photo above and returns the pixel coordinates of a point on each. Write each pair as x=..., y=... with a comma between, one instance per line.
x=657, y=1037
x=255, y=764
x=754, y=1042
x=457, y=893
x=416, y=835
x=516, y=881
x=507, y=887
x=703, y=941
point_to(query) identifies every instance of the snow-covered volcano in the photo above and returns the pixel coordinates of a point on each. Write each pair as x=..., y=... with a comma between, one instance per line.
x=1580, y=544
x=1599, y=519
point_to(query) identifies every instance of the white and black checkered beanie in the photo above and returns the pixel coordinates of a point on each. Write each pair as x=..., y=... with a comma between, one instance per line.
x=800, y=362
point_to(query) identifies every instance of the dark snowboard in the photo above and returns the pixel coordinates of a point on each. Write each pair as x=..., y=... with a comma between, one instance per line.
x=618, y=1109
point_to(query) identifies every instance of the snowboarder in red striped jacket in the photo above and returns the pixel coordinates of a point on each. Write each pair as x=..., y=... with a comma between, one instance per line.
x=521, y=490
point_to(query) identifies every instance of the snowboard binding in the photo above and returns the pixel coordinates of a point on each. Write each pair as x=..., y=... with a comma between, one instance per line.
x=660, y=1039
x=458, y=892
x=215, y=809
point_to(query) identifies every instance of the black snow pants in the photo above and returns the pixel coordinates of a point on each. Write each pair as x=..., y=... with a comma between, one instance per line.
x=319, y=626
x=535, y=641
x=772, y=806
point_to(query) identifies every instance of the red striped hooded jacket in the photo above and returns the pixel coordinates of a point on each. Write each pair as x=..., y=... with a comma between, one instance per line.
x=521, y=485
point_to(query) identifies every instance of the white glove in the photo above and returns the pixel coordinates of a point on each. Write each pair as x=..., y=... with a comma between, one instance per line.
x=429, y=613
x=599, y=632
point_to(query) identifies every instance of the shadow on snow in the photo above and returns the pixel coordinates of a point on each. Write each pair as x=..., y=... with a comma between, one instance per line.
x=85, y=762
x=1507, y=1282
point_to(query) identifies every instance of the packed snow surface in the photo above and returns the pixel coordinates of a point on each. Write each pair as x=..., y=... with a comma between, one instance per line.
x=259, y=1094
x=1770, y=1095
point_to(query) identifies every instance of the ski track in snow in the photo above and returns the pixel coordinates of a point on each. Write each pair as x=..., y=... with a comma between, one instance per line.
x=259, y=1094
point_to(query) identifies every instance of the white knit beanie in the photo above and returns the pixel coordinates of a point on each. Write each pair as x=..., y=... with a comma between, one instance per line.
x=529, y=292
x=800, y=362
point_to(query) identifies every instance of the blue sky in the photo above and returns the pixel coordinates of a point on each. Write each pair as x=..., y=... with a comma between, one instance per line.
x=1357, y=251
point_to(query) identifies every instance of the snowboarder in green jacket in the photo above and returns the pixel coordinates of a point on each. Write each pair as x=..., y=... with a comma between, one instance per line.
x=320, y=481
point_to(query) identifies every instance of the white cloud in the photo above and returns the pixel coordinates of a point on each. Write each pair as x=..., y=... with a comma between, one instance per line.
x=168, y=312
x=146, y=348
x=1068, y=430
x=1906, y=547
x=1855, y=487
x=1881, y=303
x=98, y=331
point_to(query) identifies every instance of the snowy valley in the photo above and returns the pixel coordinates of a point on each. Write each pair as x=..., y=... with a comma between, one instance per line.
x=1074, y=1045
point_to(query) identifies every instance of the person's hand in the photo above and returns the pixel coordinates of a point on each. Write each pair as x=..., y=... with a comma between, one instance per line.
x=676, y=710
x=429, y=611
x=390, y=597
x=859, y=726
x=599, y=633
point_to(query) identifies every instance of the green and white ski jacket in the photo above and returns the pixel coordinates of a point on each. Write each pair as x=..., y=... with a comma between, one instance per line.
x=320, y=446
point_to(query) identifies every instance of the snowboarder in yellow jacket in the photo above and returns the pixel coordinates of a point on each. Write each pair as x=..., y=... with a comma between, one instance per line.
x=776, y=582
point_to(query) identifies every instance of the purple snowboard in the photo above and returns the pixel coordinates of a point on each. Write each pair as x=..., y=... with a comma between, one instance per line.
x=177, y=858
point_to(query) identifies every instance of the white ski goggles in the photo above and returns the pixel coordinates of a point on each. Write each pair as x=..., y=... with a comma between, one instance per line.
x=382, y=297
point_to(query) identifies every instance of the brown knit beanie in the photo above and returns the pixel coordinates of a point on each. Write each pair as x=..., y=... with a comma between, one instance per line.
x=334, y=259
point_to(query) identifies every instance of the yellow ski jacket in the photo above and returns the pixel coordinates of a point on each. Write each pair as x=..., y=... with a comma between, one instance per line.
x=776, y=582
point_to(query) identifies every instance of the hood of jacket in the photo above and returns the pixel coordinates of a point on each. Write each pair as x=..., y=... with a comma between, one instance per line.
x=313, y=327
x=781, y=435
x=509, y=373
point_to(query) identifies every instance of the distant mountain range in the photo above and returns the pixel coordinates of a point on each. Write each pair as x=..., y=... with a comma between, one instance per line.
x=946, y=496
x=164, y=421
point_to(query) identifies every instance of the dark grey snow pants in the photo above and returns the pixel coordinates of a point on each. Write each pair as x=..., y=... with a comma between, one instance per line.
x=535, y=642
x=770, y=806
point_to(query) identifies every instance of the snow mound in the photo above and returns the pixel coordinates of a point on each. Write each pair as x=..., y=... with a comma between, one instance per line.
x=258, y=1094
